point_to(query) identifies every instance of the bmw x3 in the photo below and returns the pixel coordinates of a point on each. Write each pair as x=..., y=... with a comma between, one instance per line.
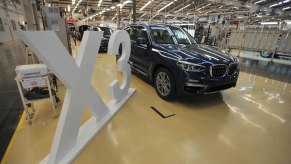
x=176, y=64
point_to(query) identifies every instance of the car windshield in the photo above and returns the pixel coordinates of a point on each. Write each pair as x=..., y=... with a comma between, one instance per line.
x=182, y=36
x=161, y=35
x=106, y=30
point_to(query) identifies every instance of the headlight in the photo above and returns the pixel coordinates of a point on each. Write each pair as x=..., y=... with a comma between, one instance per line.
x=236, y=59
x=187, y=66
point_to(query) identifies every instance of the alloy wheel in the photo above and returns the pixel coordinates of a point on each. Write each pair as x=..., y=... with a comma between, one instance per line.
x=163, y=83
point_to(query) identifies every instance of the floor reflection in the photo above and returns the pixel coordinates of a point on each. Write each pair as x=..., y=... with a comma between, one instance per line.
x=274, y=71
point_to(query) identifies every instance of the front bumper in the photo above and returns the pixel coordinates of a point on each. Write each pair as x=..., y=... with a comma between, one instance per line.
x=103, y=45
x=200, y=83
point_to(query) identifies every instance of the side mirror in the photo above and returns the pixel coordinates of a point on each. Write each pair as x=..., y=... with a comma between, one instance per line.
x=142, y=40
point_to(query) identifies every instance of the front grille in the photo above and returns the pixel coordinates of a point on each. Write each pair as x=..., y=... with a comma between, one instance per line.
x=218, y=70
x=104, y=42
x=232, y=69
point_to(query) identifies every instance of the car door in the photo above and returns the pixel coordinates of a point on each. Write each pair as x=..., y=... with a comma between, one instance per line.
x=132, y=34
x=141, y=51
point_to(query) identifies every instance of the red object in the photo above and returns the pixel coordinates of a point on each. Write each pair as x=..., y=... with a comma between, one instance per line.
x=71, y=20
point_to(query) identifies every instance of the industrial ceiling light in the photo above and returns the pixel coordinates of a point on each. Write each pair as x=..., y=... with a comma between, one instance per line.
x=207, y=4
x=286, y=8
x=99, y=3
x=126, y=2
x=276, y=4
x=269, y=23
x=203, y=7
x=142, y=15
x=165, y=7
x=114, y=17
x=280, y=3
x=155, y=16
x=259, y=1
x=76, y=6
x=73, y=2
x=149, y=2
x=111, y=8
x=184, y=7
x=273, y=5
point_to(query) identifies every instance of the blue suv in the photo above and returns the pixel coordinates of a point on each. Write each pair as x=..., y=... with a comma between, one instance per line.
x=176, y=64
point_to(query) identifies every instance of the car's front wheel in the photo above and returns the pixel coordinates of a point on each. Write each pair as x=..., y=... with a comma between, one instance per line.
x=165, y=84
x=266, y=54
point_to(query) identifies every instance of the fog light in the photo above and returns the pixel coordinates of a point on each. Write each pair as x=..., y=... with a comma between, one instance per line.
x=188, y=84
x=193, y=81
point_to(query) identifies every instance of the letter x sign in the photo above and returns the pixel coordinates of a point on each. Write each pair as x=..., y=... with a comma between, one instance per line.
x=70, y=138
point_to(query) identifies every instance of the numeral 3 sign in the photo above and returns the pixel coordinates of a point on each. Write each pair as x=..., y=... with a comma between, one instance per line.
x=70, y=138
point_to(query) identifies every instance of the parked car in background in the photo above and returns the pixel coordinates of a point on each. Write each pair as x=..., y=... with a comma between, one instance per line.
x=71, y=27
x=106, y=36
x=80, y=32
x=176, y=64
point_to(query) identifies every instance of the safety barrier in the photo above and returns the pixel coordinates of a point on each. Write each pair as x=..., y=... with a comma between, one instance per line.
x=285, y=43
x=266, y=41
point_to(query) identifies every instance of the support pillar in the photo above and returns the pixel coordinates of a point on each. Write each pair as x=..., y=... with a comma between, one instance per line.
x=130, y=17
x=28, y=15
x=151, y=12
x=134, y=11
x=118, y=18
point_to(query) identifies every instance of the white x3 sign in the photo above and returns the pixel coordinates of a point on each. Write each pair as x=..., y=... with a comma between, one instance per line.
x=70, y=139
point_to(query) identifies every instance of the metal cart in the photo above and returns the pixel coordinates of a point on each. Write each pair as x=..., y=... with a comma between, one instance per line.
x=32, y=82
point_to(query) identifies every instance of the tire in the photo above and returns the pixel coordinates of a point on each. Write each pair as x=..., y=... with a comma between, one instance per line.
x=266, y=54
x=165, y=84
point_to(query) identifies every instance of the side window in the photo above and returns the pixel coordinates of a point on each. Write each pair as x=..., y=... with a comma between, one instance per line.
x=142, y=32
x=128, y=30
x=132, y=31
x=180, y=35
x=1, y=25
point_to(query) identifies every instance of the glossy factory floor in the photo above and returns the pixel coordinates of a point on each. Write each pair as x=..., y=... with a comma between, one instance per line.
x=247, y=124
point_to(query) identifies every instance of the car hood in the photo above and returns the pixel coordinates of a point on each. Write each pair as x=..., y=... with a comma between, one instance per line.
x=106, y=36
x=199, y=52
